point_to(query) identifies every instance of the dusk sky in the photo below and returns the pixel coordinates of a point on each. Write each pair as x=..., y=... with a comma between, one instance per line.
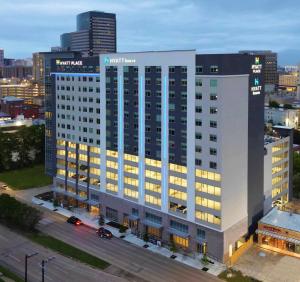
x=209, y=26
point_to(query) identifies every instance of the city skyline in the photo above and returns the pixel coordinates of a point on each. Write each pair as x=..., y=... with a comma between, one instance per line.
x=201, y=25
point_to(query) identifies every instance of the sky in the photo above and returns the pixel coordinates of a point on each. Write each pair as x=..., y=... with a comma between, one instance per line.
x=209, y=26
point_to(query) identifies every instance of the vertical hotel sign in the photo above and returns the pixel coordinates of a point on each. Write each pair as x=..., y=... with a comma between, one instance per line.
x=256, y=87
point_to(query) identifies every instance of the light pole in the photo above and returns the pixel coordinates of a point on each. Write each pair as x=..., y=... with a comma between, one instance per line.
x=26, y=259
x=44, y=261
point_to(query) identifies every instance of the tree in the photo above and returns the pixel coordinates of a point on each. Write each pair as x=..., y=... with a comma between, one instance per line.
x=273, y=104
x=287, y=106
x=296, y=184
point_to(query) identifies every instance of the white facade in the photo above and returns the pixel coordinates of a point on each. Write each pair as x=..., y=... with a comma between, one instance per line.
x=276, y=172
x=280, y=116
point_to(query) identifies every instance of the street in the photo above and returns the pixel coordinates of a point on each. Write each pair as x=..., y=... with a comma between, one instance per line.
x=138, y=262
x=13, y=248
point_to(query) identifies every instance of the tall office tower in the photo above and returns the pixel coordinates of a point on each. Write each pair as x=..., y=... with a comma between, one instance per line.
x=41, y=76
x=169, y=143
x=270, y=71
x=95, y=34
x=1, y=57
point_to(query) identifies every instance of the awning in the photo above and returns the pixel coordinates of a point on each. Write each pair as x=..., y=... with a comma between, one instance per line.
x=69, y=194
x=178, y=233
x=277, y=236
x=133, y=217
x=92, y=203
x=152, y=224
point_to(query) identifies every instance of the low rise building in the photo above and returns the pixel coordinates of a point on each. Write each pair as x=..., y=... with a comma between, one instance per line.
x=281, y=116
x=280, y=231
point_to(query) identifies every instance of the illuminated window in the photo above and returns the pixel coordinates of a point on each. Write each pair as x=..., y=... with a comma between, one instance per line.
x=131, y=158
x=178, y=194
x=208, y=217
x=208, y=203
x=82, y=157
x=205, y=188
x=95, y=171
x=112, y=164
x=153, y=187
x=152, y=200
x=112, y=153
x=61, y=142
x=180, y=241
x=208, y=175
x=153, y=174
x=111, y=187
x=61, y=152
x=178, y=168
x=72, y=145
x=178, y=181
x=131, y=193
x=95, y=160
x=82, y=147
x=95, y=150
x=131, y=169
x=152, y=162
x=131, y=181
x=61, y=172
x=111, y=175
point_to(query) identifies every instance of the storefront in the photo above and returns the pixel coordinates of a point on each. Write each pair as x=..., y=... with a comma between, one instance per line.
x=280, y=231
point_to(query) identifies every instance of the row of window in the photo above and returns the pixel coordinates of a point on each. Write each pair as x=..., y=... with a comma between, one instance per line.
x=79, y=78
x=79, y=89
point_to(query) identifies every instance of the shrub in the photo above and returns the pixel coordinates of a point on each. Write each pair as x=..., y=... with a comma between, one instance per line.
x=122, y=229
x=16, y=214
x=146, y=237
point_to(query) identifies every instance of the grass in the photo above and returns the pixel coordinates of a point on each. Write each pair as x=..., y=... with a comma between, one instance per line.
x=67, y=250
x=7, y=273
x=26, y=178
x=237, y=276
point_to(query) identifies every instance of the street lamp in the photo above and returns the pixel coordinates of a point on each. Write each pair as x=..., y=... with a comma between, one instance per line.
x=26, y=258
x=44, y=261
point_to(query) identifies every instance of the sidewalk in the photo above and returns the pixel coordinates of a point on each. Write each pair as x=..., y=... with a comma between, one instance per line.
x=216, y=268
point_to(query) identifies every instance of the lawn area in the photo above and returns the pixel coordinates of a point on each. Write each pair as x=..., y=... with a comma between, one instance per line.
x=26, y=178
x=236, y=276
x=7, y=273
x=67, y=250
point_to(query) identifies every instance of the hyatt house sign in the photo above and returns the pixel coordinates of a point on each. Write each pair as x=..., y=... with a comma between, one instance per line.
x=118, y=60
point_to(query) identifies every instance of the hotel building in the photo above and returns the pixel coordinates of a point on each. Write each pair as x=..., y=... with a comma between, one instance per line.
x=168, y=143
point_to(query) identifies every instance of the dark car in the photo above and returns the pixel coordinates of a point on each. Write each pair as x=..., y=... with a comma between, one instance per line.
x=74, y=220
x=104, y=233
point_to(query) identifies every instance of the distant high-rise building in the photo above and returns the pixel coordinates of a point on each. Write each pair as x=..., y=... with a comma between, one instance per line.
x=95, y=34
x=270, y=73
x=41, y=75
x=1, y=57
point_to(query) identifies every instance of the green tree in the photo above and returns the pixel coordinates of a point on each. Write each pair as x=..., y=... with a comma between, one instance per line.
x=273, y=104
x=287, y=106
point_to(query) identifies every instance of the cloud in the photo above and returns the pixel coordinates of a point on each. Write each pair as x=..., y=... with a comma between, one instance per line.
x=205, y=25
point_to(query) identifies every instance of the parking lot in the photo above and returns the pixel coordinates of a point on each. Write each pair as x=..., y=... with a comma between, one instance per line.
x=268, y=266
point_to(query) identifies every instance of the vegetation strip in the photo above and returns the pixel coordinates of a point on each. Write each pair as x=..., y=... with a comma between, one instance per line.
x=7, y=273
x=67, y=250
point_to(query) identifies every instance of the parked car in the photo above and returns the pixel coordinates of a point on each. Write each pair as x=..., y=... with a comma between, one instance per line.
x=104, y=233
x=74, y=220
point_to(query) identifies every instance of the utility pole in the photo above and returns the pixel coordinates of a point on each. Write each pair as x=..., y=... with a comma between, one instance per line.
x=44, y=261
x=27, y=256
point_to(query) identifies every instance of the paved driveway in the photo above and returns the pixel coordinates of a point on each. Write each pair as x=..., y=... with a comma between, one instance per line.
x=269, y=266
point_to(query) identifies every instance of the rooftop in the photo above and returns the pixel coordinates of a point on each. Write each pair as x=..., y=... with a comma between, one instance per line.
x=282, y=219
